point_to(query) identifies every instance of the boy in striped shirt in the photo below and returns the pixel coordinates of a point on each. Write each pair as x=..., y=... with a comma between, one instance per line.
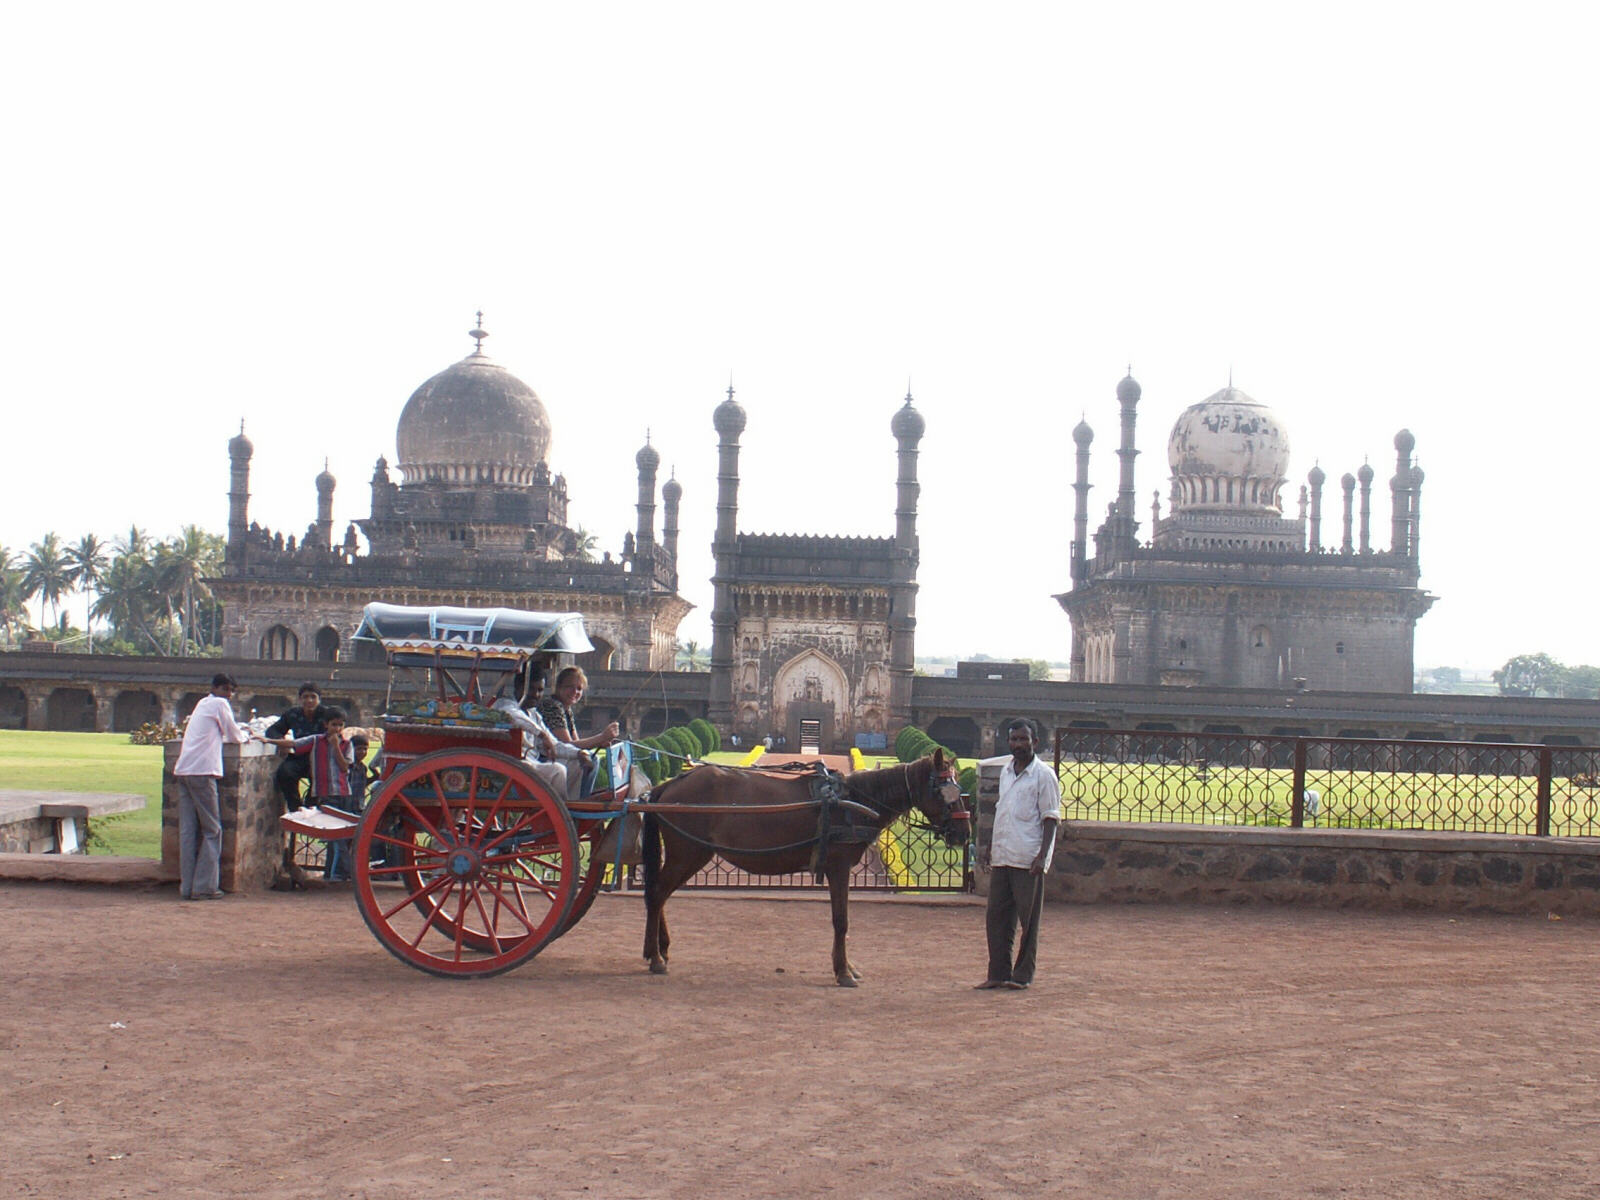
x=331, y=758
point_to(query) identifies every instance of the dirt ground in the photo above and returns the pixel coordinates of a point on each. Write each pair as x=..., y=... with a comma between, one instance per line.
x=267, y=1046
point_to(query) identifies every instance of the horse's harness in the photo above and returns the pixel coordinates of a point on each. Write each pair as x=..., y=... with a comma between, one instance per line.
x=847, y=820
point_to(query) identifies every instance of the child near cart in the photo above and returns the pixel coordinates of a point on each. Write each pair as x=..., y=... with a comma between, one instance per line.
x=332, y=762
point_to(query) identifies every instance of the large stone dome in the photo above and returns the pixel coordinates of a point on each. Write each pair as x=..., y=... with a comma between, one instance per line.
x=1228, y=453
x=474, y=422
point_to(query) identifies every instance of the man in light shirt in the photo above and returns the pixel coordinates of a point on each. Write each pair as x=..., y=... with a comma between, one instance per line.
x=1018, y=855
x=198, y=769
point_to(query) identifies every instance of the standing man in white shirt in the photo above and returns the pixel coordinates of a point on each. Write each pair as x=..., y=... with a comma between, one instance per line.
x=1024, y=840
x=199, y=808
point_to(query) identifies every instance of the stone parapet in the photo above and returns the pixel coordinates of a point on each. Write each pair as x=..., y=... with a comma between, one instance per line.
x=252, y=837
x=1334, y=868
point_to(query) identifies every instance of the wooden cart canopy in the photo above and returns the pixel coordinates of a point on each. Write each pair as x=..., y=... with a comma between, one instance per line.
x=487, y=632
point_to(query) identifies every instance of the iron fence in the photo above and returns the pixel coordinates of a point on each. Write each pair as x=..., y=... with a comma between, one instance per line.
x=1342, y=783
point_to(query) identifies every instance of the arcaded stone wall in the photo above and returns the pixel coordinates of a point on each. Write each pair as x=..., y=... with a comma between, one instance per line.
x=252, y=838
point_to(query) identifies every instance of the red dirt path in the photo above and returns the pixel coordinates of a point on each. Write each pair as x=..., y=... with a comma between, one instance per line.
x=269, y=1047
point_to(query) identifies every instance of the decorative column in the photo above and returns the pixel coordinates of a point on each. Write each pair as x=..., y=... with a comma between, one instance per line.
x=1364, y=475
x=1316, y=479
x=647, y=460
x=908, y=427
x=1128, y=393
x=1400, y=494
x=239, y=451
x=671, y=496
x=729, y=421
x=325, y=485
x=1347, y=482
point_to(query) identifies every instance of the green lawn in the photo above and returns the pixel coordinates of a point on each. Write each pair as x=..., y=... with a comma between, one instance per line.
x=91, y=762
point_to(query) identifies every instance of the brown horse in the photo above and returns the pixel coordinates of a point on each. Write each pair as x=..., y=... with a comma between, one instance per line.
x=770, y=825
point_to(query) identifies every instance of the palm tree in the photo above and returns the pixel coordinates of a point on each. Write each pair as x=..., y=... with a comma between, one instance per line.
x=691, y=657
x=89, y=563
x=13, y=598
x=182, y=565
x=46, y=573
x=127, y=591
x=135, y=542
x=583, y=544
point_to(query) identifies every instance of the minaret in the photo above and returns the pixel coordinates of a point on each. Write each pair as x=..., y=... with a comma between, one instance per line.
x=671, y=494
x=325, y=485
x=239, y=452
x=1316, y=479
x=1347, y=482
x=1416, y=514
x=1128, y=392
x=908, y=428
x=728, y=421
x=1364, y=474
x=1078, y=567
x=647, y=460
x=1400, y=494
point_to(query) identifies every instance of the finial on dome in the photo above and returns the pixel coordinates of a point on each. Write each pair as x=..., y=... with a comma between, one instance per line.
x=478, y=333
x=1128, y=390
x=728, y=419
x=908, y=424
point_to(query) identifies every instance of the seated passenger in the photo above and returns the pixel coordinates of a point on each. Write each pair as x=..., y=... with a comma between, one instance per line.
x=560, y=765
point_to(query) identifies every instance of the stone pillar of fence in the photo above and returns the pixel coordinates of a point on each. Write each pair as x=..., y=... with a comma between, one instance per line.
x=983, y=833
x=252, y=837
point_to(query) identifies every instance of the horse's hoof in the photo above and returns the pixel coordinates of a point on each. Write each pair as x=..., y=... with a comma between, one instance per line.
x=658, y=968
x=847, y=980
x=854, y=974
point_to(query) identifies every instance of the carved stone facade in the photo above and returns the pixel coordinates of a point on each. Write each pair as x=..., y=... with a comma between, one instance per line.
x=813, y=637
x=476, y=519
x=1229, y=592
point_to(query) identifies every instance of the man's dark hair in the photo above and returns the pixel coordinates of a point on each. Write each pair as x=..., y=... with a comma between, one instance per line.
x=222, y=679
x=330, y=715
x=1019, y=723
x=310, y=687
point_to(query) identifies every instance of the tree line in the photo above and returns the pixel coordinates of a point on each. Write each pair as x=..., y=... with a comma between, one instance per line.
x=1531, y=674
x=139, y=594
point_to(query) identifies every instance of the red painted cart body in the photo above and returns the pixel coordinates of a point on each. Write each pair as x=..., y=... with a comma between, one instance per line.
x=466, y=864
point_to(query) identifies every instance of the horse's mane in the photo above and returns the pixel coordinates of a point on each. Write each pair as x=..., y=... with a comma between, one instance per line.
x=892, y=789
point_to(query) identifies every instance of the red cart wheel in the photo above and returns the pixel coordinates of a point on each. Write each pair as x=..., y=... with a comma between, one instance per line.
x=465, y=864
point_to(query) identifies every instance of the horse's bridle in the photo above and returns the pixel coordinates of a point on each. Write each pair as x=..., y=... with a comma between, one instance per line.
x=955, y=812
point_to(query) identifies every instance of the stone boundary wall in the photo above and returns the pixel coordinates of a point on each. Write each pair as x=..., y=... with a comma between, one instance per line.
x=1110, y=862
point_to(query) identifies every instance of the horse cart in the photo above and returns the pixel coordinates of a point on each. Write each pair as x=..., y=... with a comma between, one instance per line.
x=466, y=863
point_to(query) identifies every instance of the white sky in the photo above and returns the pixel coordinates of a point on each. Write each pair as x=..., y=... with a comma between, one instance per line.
x=1376, y=215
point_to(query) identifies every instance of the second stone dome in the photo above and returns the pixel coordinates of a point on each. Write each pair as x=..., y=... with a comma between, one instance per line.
x=1228, y=452
x=473, y=422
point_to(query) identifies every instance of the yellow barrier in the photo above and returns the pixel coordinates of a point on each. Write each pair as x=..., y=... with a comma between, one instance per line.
x=756, y=751
x=889, y=851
